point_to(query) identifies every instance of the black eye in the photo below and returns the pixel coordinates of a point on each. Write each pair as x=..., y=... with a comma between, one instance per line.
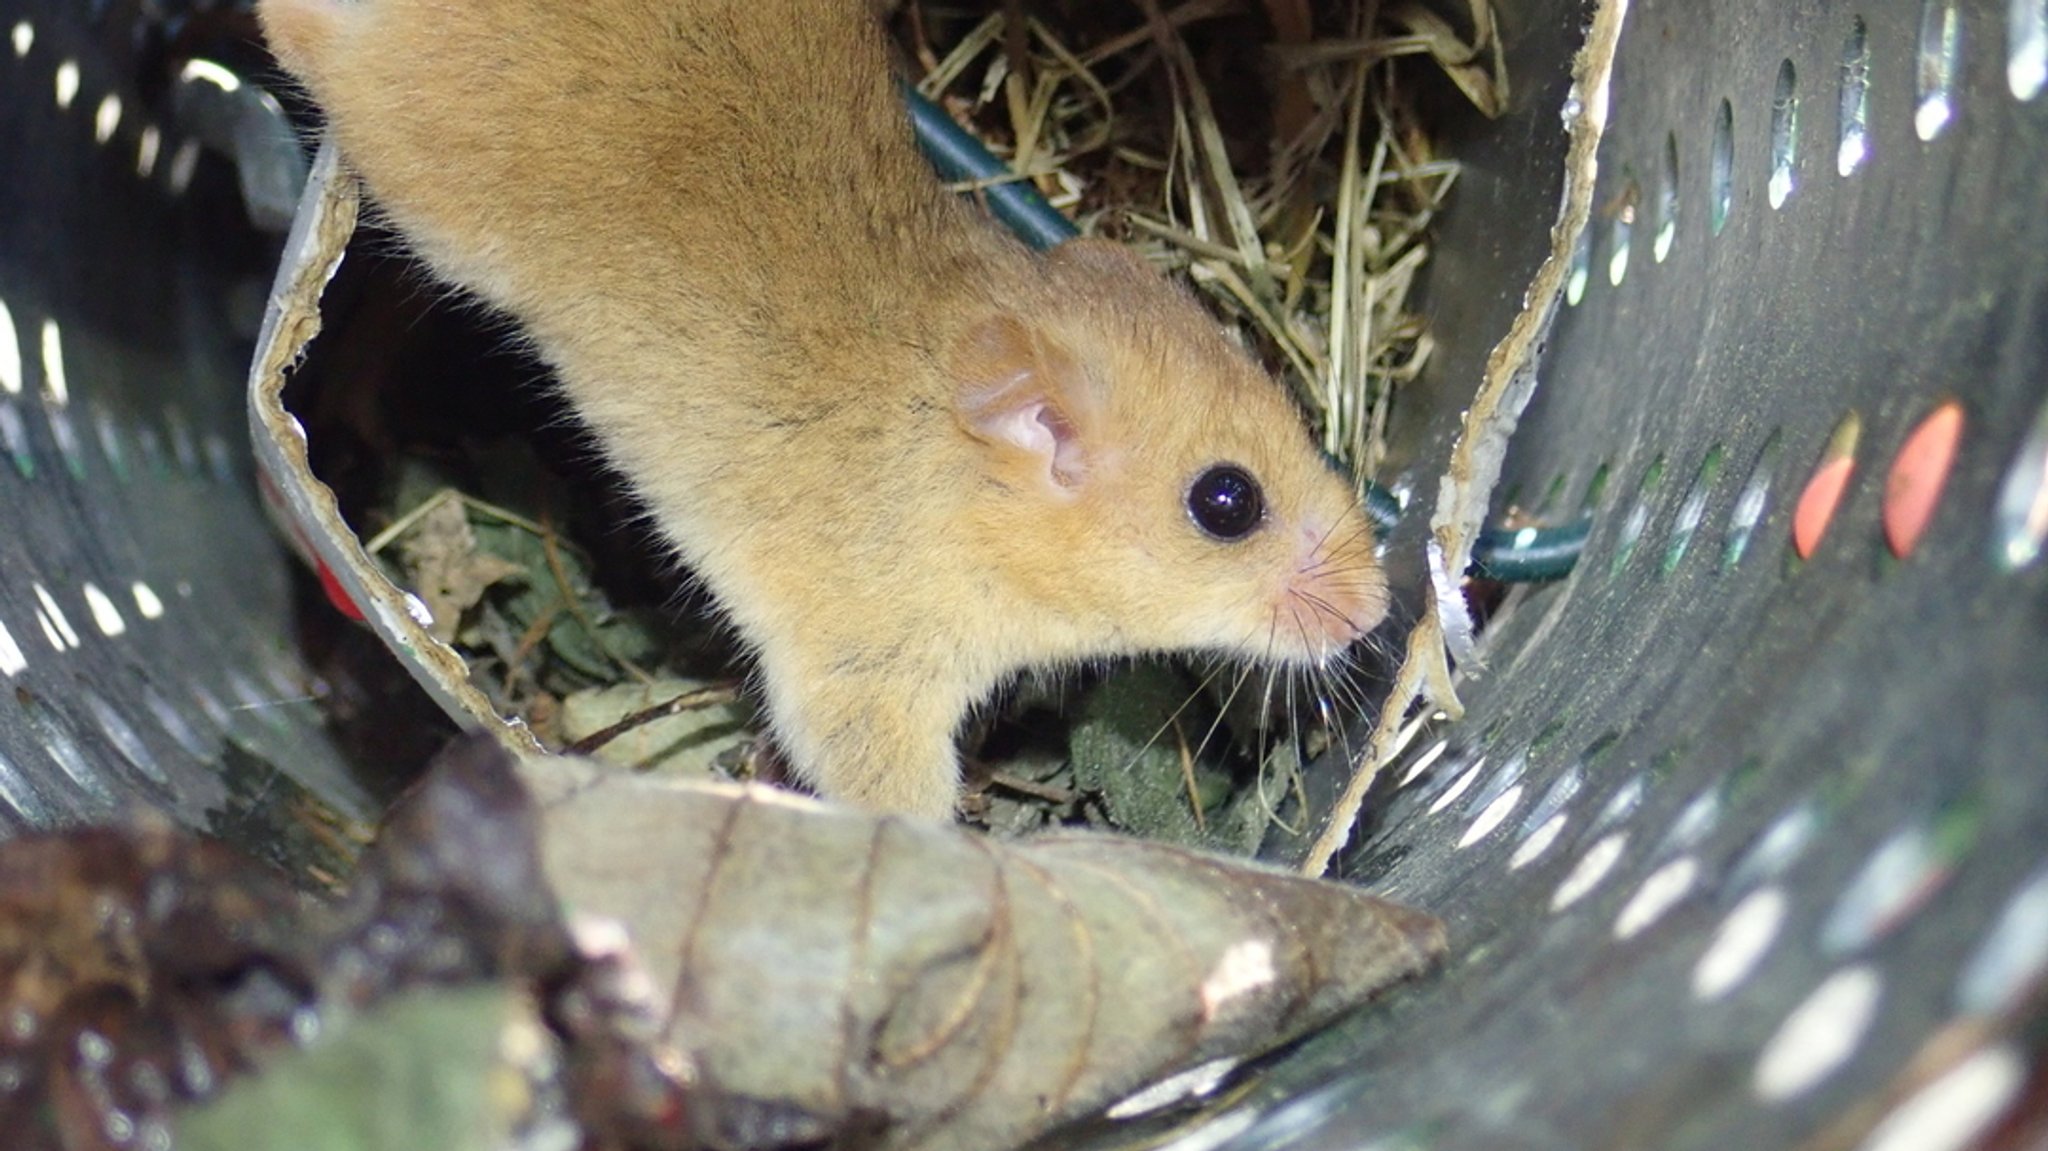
x=1225, y=502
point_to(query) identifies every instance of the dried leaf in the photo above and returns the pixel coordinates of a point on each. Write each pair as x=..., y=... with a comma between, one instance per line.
x=144, y=970
x=965, y=993
x=430, y=1069
x=1135, y=744
x=444, y=566
x=583, y=630
x=802, y=972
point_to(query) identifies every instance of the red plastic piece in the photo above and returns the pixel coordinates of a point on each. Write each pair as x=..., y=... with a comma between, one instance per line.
x=335, y=594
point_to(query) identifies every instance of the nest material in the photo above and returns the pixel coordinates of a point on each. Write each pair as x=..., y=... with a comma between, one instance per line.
x=1295, y=189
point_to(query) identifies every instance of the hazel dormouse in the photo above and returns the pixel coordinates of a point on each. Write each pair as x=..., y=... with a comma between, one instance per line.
x=909, y=457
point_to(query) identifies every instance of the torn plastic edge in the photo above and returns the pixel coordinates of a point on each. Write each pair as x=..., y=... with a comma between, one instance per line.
x=304, y=507
x=1465, y=490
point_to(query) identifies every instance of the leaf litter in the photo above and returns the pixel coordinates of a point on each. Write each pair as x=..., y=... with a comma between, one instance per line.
x=757, y=972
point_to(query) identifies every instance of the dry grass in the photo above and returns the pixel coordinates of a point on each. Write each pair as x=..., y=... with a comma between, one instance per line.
x=1305, y=223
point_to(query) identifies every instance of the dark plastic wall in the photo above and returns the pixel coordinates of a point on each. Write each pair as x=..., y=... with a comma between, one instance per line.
x=1737, y=848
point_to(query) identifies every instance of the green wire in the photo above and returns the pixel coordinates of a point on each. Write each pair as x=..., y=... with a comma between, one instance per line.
x=1530, y=555
x=960, y=157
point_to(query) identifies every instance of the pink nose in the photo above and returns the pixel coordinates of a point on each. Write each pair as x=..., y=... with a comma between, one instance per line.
x=1337, y=593
x=1335, y=619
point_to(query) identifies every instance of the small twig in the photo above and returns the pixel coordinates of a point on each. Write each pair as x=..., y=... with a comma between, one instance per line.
x=1045, y=791
x=1097, y=92
x=1294, y=783
x=404, y=523
x=702, y=697
x=550, y=548
x=531, y=638
x=426, y=507
x=1186, y=241
x=941, y=77
x=1141, y=36
x=922, y=45
x=1187, y=777
x=1026, y=122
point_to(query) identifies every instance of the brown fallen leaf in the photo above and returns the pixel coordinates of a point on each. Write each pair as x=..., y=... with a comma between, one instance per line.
x=817, y=974
x=958, y=992
x=446, y=569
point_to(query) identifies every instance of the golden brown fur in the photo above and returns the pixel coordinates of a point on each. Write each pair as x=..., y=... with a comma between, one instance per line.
x=909, y=457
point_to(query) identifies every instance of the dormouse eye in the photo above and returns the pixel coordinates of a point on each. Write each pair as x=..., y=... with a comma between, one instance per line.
x=1225, y=502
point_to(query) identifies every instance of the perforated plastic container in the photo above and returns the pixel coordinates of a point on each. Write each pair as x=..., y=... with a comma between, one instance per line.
x=1740, y=841
x=147, y=634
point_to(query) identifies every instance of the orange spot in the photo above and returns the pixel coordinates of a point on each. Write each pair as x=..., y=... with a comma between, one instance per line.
x=1918, y=473
x=1818, y=502
x=1823, y=492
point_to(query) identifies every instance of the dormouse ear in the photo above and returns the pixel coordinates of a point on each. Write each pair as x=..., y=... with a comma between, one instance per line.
x=1018, y=391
